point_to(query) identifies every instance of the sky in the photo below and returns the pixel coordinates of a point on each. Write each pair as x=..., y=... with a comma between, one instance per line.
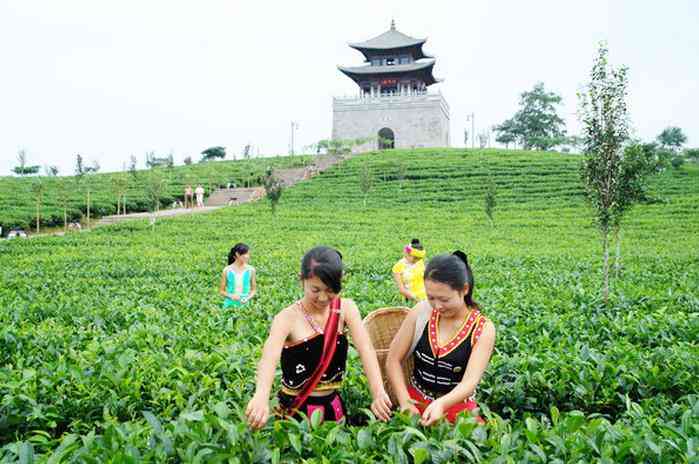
x=111, y=79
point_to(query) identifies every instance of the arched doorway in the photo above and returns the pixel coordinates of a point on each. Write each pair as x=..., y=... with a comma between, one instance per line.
x=386, y=139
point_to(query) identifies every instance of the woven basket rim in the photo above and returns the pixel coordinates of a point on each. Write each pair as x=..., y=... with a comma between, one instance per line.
x=381, y=311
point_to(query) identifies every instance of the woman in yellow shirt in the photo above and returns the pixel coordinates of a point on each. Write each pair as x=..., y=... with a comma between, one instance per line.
x=409, y=272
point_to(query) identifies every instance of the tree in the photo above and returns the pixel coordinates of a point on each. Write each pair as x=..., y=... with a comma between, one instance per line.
x=366, y=180
x=120, y=184
x=609, y=181
x=63, y=193
x=38, y=191
x=51, y=171
x=82, y=178
x=92, y=169
x=273, y=189
x=401, y=172
x=505, y=133
x=23, y=169
x=536, y=125
x=79, y=169
x=132, y=166
x=341, y=146
x=153, y=161
x=213, y=153
x=672, y=138
x=188, y=160
x=692, y=154
x=483, y=139
x=155, y=185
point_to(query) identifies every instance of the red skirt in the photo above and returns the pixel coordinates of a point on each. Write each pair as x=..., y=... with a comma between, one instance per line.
x=421, y=402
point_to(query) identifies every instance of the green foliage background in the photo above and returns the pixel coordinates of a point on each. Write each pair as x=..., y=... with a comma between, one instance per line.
x=113, y=347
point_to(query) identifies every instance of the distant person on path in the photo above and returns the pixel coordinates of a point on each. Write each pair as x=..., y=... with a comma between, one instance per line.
x=238, y=280
x=199, y=192
x=408, y=272
x=188, y=197
x=310, y=339
x=450, y=341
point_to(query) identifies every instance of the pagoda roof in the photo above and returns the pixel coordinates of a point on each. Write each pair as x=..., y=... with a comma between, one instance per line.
x=388, y=40
x=423, y=68
x=391, y=40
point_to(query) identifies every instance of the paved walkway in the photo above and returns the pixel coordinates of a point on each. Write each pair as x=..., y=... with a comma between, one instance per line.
x=106, y=220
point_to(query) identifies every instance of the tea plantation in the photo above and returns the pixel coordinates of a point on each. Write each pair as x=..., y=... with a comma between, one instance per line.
x=18, y=199
x=113, y=347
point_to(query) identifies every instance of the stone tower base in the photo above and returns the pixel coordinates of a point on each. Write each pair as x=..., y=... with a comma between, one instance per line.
x=414, y=120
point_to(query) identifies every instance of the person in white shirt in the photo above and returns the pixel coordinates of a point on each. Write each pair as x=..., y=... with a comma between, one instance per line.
x=199, y=192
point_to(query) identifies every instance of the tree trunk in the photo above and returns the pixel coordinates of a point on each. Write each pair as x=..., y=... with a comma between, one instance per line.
x=88, y=209
x=605, y=246
x=617, y=259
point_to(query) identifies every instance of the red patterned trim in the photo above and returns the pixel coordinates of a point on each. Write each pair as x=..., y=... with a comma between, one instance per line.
x=461, y=335
x=478, y=330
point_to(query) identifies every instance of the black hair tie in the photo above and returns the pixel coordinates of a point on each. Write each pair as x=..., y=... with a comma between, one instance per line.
x=462, y=256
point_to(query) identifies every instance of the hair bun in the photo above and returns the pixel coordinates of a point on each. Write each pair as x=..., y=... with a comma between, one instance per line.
x=462, y=256
x=415, y=241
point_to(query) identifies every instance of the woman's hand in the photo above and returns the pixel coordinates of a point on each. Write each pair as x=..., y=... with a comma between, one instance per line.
x=381, y=406
x=235, y=297
x=410, y=408
x=433, y=412
x=257, y=411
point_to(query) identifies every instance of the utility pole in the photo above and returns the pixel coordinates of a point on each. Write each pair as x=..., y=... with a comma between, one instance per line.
x=294, y=126
x=472, y=117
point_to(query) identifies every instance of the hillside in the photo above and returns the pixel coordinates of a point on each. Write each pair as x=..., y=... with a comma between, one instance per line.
x=18, y=203
x=113, y=345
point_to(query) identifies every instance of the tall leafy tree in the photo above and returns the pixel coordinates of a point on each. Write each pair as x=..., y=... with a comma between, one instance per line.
x=273, y=189
x=672, y=138
x=537, y=124
x=613, y=174
x=23, y=169
x=213, y=153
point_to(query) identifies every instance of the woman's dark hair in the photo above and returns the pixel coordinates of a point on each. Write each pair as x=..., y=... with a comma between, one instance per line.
x=454, y=271
x=238, y=248
x=415, y=243
x=326, y=264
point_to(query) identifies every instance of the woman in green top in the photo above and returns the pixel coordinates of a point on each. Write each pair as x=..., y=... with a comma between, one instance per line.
x=238, y=283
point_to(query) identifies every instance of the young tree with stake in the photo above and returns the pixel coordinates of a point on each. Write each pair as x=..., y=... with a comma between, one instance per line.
x=611, y=180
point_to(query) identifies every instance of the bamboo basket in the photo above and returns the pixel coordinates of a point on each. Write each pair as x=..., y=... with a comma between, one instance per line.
x=382, y=325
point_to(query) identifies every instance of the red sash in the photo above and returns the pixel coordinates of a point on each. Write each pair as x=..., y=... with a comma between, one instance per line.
x=329, y=346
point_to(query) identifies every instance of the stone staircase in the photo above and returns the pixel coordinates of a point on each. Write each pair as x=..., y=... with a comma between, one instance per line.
x=288, y=177
x=235, y=196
